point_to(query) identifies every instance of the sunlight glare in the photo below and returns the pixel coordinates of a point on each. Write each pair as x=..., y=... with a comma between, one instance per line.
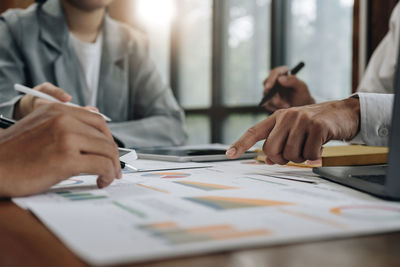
x=156, y=12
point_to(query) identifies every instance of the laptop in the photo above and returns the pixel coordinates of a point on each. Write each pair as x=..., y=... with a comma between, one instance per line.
x=383, y=180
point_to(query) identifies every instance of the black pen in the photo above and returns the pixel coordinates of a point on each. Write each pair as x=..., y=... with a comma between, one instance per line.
x=5, y=122
x=126, y=165
x=277, y=86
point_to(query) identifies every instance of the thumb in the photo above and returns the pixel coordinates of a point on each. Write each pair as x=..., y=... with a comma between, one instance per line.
x=253, y=135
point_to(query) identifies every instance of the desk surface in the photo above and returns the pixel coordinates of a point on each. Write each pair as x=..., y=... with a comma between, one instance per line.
x=24, y=241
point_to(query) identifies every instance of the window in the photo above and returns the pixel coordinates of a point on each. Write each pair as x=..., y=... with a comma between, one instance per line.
x=326, y=47
x=216, y=54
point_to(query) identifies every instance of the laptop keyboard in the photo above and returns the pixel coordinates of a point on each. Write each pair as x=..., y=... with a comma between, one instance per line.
x=376, y=179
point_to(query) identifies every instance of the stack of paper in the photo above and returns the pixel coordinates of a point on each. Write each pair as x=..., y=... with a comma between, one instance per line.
x=163, y=214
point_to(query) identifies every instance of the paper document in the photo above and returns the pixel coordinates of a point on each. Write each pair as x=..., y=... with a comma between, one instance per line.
x=164, y=214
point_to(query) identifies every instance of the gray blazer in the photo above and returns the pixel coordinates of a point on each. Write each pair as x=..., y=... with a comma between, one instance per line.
x=35, y=48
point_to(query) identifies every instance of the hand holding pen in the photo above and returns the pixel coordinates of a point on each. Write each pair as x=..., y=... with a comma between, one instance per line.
x=282, y=89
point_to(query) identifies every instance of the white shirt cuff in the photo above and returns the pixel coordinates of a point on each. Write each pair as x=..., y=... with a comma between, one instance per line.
x=376, y=118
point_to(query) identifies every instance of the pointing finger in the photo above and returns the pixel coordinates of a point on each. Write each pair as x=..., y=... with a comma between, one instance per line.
x=253, y=135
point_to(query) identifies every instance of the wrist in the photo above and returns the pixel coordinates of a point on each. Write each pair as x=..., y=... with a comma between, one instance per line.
x=352, y=106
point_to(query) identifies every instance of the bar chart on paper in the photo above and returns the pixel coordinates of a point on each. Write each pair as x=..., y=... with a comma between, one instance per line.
x=167, y=175
x=205, y=186
x=69, y=182
x=227, y=203
x=80, y=196
x=175, y=234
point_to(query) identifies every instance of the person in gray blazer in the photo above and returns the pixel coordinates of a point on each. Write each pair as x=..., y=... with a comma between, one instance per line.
x=74, y=51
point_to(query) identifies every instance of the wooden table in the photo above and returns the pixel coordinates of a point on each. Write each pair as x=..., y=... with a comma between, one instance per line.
x=25, y=241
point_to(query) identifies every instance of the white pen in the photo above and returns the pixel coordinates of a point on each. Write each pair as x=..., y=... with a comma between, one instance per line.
x=29, y=91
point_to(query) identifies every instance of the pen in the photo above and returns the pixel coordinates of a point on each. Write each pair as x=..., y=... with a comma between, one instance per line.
x=126, y=165
x=277, y=86
x=5, y=122
x=29, y=91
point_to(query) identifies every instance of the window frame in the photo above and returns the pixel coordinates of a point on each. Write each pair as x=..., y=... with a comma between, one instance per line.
x=218, y=112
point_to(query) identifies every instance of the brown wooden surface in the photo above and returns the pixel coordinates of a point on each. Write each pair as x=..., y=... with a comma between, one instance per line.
x=24, y=241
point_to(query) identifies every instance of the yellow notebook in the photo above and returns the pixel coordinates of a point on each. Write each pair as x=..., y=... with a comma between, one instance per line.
x=351, y=155
x=354, y=155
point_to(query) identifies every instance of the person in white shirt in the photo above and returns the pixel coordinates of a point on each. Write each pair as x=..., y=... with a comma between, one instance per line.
x=52, y=144
x=299, y=127
x=378, y=77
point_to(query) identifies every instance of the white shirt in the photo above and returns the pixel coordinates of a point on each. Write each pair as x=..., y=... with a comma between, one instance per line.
x=376, y=109
x=89, y=55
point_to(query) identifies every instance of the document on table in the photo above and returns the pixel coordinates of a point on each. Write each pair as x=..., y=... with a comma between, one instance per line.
x=157, y=215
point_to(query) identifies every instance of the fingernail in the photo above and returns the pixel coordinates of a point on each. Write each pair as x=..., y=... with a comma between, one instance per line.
x=66, y=96
x=231, y=152
x=100, y=183
x=267, y=84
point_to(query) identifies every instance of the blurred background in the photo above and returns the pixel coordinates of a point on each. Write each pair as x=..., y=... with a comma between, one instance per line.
x=215, y=54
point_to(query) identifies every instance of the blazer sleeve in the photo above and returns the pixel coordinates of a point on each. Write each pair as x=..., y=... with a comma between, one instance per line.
x=11, y=65
x=156, y=119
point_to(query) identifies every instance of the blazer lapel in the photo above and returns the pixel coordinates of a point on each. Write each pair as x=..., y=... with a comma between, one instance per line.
x=68, y=78
x=54, y=32
x=112, y=97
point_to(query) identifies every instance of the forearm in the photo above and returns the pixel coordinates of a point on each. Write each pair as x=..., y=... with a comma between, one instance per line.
x=150, y=132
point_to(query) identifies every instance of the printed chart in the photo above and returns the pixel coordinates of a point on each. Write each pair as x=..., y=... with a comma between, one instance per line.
x=227, y=203
x=176, y=235
x=84, y=196
x=205, y=186
x=231, y=205
x=167, y=175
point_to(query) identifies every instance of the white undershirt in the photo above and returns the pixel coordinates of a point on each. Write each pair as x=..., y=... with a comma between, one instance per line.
x=89, y=55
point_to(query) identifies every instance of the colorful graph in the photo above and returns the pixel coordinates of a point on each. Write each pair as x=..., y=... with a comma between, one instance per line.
x=129, y=209
x=79, y=196
x=205, y=186
x=227, y=203
x=311, y=217
x=153, y=188
x=367, y=212
x=69, y=182
x=176, y=235
x=167, y=175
